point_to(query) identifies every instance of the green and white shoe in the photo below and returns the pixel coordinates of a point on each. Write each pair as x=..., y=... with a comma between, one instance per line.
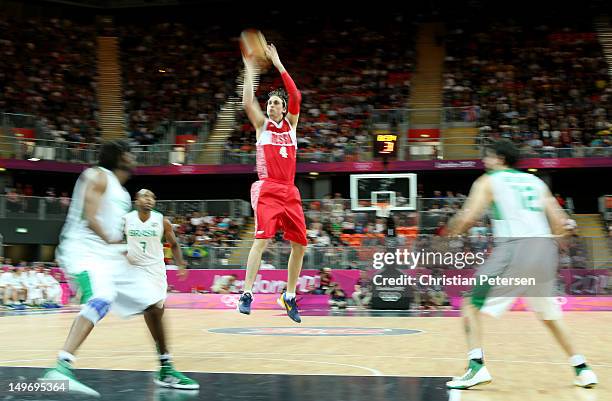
x=585, y=377
x=476, y=374
x=172, y=378
x=63, y=371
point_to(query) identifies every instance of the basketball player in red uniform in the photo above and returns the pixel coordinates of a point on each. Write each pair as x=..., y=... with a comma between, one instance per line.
x=275, y=199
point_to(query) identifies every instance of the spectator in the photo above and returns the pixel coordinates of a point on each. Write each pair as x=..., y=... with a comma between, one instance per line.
x=325, y=281
x=7, y=284
x=52, y=289
x=33, y=287
x=363, y=290
x=337, y=297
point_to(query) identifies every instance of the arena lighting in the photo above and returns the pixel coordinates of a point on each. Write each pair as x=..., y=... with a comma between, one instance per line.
x=190, y=141
x=161, y=70
x=34, y=159
x=313, y=173
x=176, y=164
x=532, y=170
x=2, y=169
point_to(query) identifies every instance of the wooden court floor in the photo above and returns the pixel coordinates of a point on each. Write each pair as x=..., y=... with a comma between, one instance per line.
x=525, y=362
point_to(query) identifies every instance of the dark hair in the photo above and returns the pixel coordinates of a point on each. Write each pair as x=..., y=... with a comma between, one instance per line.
x=507, y=149
x=280, y=92
x=111, y=152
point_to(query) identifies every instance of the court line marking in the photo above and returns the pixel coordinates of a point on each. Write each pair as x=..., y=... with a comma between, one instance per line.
x=245, y=355
x=416, y=331
x=237, y=372
x=374, y=372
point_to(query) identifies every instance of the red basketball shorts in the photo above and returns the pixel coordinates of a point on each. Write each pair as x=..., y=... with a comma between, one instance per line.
x=278, y=206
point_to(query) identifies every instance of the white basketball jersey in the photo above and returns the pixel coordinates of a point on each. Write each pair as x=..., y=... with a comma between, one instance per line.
x=144, y=239
x=518, y=207
x=115, y=203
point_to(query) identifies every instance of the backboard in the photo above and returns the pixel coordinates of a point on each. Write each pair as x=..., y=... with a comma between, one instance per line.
x=397, y=190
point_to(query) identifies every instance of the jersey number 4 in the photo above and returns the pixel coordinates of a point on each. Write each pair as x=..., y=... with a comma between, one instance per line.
x=283, y=152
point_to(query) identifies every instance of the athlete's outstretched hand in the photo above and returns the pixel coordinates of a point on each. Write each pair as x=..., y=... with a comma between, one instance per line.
x=272, y=54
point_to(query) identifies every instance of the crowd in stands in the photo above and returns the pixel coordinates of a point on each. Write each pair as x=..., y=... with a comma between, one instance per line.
x=48, y=69
x=18, y=201
x=543, y=84
x=200, y=233
x=175, y=72
x=343, y=69
x=35, y=285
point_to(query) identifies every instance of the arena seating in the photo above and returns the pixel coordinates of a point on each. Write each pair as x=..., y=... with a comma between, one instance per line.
x=48, y=69
x=543, y=83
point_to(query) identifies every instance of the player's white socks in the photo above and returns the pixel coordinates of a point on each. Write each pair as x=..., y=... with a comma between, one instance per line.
x=476, y=353
x=289, y=295
x=165, y=359
x=577, y=359
x=66, y=357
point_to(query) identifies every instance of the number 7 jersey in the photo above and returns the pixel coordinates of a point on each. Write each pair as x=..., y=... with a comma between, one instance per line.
x=518, y=205
x=144, y=239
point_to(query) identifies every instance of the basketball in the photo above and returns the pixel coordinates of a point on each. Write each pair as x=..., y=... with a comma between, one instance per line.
x=253, y=46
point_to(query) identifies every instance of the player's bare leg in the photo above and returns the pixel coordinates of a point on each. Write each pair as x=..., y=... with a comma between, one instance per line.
x=253, y=263
x=287, y=300
x=584, y=375
x=81, y=327
x=153, y=318
x=471, y=325
x=167, y=375
x=296, y=258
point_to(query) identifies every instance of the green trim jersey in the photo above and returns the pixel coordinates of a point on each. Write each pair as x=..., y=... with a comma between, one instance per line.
x=115, y=203
x=518, y=205
x=144, y=239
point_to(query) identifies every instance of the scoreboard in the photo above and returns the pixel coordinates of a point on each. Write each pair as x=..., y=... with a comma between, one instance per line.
x=385, y=145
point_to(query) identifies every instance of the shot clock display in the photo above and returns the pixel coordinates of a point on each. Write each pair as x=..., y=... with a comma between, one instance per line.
x=385, y=145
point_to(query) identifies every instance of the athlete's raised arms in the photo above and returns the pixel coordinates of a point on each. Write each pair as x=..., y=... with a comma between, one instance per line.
x=295, y=97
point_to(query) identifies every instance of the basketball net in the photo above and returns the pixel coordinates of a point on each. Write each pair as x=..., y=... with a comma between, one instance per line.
x=383, y=210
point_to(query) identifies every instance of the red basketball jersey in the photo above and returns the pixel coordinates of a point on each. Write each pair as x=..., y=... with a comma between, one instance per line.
x=276, y=151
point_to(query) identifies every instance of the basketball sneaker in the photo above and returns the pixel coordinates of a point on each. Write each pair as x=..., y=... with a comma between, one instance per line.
x=291, y=307
x=585, y=377
x=244, y=303
x=172, y=378
x=476, y=374
x=63, y=371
